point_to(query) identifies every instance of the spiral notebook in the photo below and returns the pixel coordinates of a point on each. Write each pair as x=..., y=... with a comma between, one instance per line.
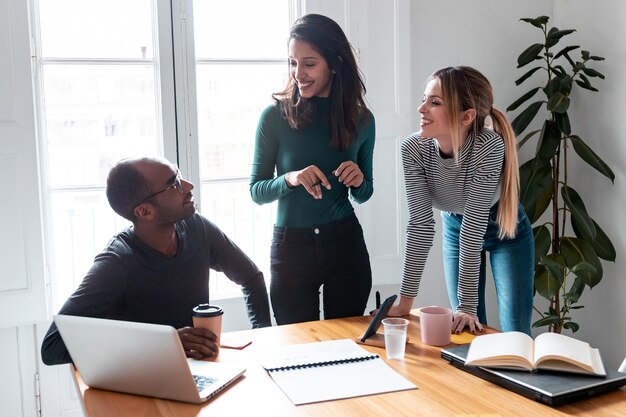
x=329, y=370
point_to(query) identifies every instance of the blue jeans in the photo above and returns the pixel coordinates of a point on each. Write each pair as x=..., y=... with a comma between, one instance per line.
x=303, y=259
x=512, y=264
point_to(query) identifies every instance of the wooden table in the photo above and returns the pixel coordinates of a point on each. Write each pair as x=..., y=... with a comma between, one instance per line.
x=443, y=390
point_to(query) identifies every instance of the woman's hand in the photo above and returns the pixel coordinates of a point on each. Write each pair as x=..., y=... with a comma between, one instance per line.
x=461, y=320
x=401, y=309
x=349, y=174
x=311, y=178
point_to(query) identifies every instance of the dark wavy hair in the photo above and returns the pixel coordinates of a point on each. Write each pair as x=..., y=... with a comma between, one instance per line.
x=347, y=106
x=126, y=186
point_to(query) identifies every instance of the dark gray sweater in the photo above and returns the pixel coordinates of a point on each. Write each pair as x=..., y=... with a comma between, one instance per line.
x=130, y=281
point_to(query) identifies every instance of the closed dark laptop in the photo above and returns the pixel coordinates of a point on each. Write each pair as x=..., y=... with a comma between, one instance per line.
x=552, y=388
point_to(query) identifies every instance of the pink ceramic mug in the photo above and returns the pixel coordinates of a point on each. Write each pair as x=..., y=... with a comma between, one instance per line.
x=436, y=325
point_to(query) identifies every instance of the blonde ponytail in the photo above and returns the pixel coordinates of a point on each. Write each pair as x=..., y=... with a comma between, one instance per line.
x=509, y=181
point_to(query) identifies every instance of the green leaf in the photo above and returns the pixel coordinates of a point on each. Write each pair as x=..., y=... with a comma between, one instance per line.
x=577, y=208
x=543, y=202
x=570, y=60
x=548, y=143
x=583, y=267
x=550, y=42
x=565, y=50
x=593, y=73
x=523, y=119
x=526, y=76
x=549, y=275
x=537, y=22
x=559, y=70
x=529, y=55
x=602, y=245
x=555, y=265
x=558, y=34
x=565, y=85
x=558, y=103
x=562, y=120
x=528, y=136
x=522, y=99
x=543, y=241
x=590, y=157
x=576, y=250
x=552, y=86
x=533, y=185
x=570, y=325
x=546, y=285
x=586, y=85
x=575, y=292
x=551, y=320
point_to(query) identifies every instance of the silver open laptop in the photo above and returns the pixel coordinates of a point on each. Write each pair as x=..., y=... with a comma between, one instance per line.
x=141, y=358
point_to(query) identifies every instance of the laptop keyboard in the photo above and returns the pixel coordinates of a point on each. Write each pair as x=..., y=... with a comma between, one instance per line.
x=203, y=382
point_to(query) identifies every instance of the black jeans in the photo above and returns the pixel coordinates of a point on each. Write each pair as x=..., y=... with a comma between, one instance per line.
x=303, y=259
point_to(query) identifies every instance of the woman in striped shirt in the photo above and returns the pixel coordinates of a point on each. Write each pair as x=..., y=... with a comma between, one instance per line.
x=469, y=172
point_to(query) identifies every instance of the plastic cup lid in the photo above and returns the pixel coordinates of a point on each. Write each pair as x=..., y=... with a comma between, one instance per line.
x=207, y=310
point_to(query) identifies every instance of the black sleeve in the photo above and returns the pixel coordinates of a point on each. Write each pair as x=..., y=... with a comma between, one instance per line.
x=53, y=350
x=255, y=295
x=227, y=257
x=96, y=296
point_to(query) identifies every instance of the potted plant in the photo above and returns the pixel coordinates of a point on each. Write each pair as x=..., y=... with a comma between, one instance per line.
x=565, y=264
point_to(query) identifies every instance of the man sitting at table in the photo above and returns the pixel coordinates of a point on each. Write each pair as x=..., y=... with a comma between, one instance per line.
x=157, y=270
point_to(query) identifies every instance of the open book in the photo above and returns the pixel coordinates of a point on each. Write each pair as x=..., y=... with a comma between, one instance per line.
x=550, y=351
x=329, y=370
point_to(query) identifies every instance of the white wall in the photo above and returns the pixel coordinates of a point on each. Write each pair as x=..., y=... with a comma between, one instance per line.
x=598, y=118
x=489, y=36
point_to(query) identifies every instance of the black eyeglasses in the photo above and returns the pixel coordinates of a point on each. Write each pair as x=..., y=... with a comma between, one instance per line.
x=177, y=185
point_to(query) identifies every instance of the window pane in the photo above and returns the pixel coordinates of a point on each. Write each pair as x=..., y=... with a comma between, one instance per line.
x=230, y=101
x=95, y=115
x=229, y=206
x=96, y=29
x=241, y=29
x=82, y=224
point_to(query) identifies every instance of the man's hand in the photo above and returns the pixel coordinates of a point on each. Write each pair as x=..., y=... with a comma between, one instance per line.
x=199, y=343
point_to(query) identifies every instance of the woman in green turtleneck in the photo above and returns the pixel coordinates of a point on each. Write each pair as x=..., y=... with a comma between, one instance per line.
x=313, y=153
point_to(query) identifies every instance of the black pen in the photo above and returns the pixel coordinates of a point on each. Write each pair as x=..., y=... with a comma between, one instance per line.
x=377, y=300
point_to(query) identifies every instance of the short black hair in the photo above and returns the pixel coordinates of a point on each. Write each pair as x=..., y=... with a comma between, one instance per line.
x=126, y=186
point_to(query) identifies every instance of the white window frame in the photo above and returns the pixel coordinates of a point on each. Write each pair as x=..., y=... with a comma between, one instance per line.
x=186, y=104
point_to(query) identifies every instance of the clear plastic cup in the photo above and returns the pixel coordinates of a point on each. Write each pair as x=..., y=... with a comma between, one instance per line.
x=395, y=337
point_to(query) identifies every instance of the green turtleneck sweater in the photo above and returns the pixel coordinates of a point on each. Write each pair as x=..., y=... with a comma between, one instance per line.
x=279, y=149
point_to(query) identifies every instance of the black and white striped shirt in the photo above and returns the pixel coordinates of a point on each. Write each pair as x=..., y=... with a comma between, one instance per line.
x=467, y=186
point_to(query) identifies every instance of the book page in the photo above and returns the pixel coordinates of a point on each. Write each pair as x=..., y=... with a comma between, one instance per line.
x=553, y=347
x=510, y=349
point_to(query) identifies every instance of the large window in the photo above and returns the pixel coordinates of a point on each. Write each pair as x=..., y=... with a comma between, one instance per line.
x=240, y=61
x=106, y=91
